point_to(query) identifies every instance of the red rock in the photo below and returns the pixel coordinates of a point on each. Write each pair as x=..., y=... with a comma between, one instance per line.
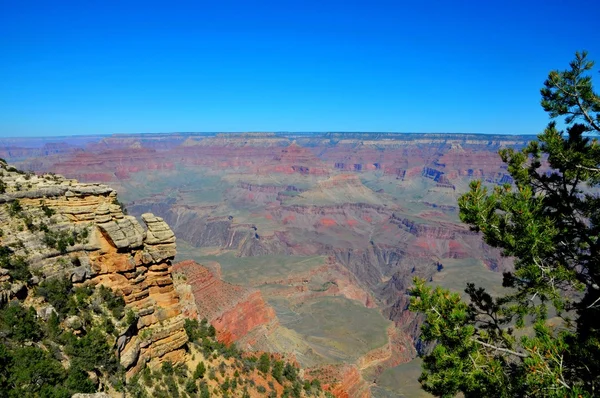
x=233, y=310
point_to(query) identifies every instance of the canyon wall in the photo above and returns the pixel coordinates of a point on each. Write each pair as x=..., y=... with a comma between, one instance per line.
x=235, y=311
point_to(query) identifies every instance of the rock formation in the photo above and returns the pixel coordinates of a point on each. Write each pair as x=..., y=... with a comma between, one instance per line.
x=102, y=246
x=235, y=312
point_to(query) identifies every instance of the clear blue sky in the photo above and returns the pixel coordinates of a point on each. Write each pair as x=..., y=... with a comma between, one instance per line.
x=96, y=67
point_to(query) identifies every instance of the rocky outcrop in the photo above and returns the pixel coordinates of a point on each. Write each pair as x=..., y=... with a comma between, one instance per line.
x=102, y=246
x=138, y=264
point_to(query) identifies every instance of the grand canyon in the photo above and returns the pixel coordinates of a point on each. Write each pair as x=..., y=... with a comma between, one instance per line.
x=296, y=244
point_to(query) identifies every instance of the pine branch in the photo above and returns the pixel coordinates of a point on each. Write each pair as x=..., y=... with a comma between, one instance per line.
x=519, y=354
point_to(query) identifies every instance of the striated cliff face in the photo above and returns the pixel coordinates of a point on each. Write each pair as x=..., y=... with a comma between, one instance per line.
x=64, y=228
x=343, y=381
x=236, y=312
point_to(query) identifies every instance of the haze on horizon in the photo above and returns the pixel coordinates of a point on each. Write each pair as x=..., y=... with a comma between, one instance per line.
x=107, y=67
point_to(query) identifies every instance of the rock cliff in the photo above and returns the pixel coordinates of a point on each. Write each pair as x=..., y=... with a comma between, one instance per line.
x=64, y=228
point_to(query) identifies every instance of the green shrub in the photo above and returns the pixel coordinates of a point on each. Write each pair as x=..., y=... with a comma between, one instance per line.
x=277, y=371
x=19, y=269
x=15, y=208
x=191, y=327
x=134, y=389
x=167, y=368
x=172, y=386
x=200, y=370
x=53, y=326
x=130, y=318
x=78, y=380
x=114, y=301
x=225, y=385
x=57, y=291
x=31, y=369
x=191, y=387
x=204, y=392
x=20, y=323
x=264, y=363
x=147, y=377
x=48, y=211
x=290, y=372
x=92, y=351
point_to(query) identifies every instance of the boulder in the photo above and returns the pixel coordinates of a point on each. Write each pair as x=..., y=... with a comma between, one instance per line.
x=45, y=312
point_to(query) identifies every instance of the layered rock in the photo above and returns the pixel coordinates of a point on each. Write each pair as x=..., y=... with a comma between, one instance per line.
x=106, y=247
x=235, y=311
x=343, y=381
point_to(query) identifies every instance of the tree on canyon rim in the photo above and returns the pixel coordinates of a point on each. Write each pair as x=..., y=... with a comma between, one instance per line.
x=548, y=220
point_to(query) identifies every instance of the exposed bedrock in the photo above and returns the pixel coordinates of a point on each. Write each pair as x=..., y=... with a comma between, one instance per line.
x=235, y=311
x=108, y=248
x=344, y=381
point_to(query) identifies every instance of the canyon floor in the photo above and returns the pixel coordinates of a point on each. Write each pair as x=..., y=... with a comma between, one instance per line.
x=308, y=242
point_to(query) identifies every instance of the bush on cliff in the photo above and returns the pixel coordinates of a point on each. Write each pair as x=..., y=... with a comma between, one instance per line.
x=549, y=221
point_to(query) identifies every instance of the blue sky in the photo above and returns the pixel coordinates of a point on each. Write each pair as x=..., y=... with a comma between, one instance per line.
x=98, y=67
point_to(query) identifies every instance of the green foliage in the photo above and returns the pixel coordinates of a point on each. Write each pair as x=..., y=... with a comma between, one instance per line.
x=225, y=385
x=167, y=368
x=32, y=372
x=172, y=387
x=49, y=212
x=91, y=351
x=204, y=392
x=290, y=372
x=17, y=265
x=20, y=323
x=32, y=369
x=78, y=380
x=200, y=370
x=5, y=253
x=15, y=208
x=277, y=371
x=147, y=377
x=130, y=317
x=61, y=240
x=31, y=349
x=192, y=329
x=191, y=387
x=134, y=389
x=264, y=363
x=19, y=269
x=57, y=292
x=2, y=186
x=549, y=221
x=113, y=301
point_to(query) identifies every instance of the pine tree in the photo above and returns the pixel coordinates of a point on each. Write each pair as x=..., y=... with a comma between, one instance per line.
x=548, y=220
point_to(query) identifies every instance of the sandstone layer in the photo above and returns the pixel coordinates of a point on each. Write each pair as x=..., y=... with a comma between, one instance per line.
x=105, y=247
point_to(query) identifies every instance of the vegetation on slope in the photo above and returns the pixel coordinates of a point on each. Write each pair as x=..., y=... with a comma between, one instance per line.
x=216, y=369
x=63, y=347
x=549, y=221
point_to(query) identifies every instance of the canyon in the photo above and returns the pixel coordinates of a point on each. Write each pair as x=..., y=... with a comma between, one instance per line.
x=296, y=243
